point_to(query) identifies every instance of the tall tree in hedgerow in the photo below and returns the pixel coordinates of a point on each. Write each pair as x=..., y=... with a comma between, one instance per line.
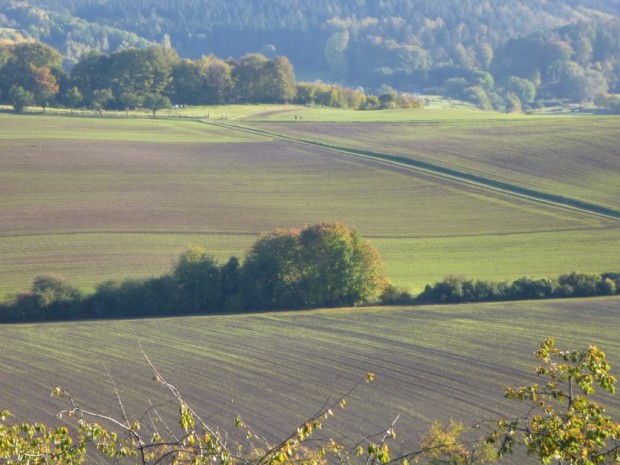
x=327, y=264
x=197, y=275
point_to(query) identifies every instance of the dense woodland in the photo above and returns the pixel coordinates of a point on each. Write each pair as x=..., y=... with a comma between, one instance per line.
x=31, y=73
x=506, y=56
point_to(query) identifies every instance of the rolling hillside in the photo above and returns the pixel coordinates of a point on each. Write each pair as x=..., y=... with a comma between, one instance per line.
x=95, y=199
x=273, y=369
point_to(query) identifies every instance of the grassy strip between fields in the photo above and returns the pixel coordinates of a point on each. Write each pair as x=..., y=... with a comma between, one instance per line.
x=445, y=172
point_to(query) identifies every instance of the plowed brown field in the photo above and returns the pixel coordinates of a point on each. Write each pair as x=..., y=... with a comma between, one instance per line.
x=273, y=369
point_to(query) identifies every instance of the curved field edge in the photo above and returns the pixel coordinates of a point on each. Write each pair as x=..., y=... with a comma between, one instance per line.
x=273, y=369
x=441, y=170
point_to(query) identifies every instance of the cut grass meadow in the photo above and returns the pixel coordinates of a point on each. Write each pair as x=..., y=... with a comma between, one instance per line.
x=432, y=363
x=94, y=199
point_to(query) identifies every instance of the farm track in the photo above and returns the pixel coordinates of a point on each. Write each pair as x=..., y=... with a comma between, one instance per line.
x=440, y=171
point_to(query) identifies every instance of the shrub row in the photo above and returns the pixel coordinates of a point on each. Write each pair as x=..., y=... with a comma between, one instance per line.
x=324, y=265
x=454, y=289
x=209, y=288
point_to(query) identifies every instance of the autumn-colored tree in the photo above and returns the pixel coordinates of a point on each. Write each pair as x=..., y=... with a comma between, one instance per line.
x=327, y=264
x=45, y=86
x=565, y=425
x=33, y=67
x=448, y=445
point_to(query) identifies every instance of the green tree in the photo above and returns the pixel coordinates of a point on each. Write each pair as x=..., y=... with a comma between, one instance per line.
x=478, y=96
x=388, y=100
x=187, y=86
x=335, y=54
x=20, y=98
x=582, y=85
x=230, y=285
x=91, y=73
x=73, y=98
x=50, y=298
x=581, y=284
x=101, y=97
x=31, y=65
x=522, y=88
x=611, y=102
x=129, y=101
x=306, y=93
x=455, y=87
x=327, y=264
x=281, y=85
x=156, y=102
x=217, y=80
x=564, y=425
x=513, y=103
x=56, y=298
x=198, y=276
x=251, y=78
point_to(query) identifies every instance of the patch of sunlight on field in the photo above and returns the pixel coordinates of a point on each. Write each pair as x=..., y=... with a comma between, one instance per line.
x=324, y=115
x=413, y=263
x=116, y=129
x=571, y=157
x=213, y=112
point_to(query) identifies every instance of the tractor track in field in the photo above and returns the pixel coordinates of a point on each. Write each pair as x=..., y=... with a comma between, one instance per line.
x=438, y=171
x=129, y=232
x=156, y=232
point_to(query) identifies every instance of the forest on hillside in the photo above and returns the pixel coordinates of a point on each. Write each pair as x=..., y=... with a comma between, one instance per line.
x=475, y=50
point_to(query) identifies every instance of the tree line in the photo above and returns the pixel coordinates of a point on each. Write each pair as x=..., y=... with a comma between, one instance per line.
x=324, y=265
x=31, y=73
x=456, y=289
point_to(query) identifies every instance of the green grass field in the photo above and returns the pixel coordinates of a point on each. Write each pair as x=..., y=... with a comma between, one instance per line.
x=29, y=128
x=431, y=363
x=94, y=199
x=339, y=115
x=575, y=157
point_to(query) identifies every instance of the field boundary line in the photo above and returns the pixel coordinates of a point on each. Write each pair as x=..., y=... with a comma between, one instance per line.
x=443, y=172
